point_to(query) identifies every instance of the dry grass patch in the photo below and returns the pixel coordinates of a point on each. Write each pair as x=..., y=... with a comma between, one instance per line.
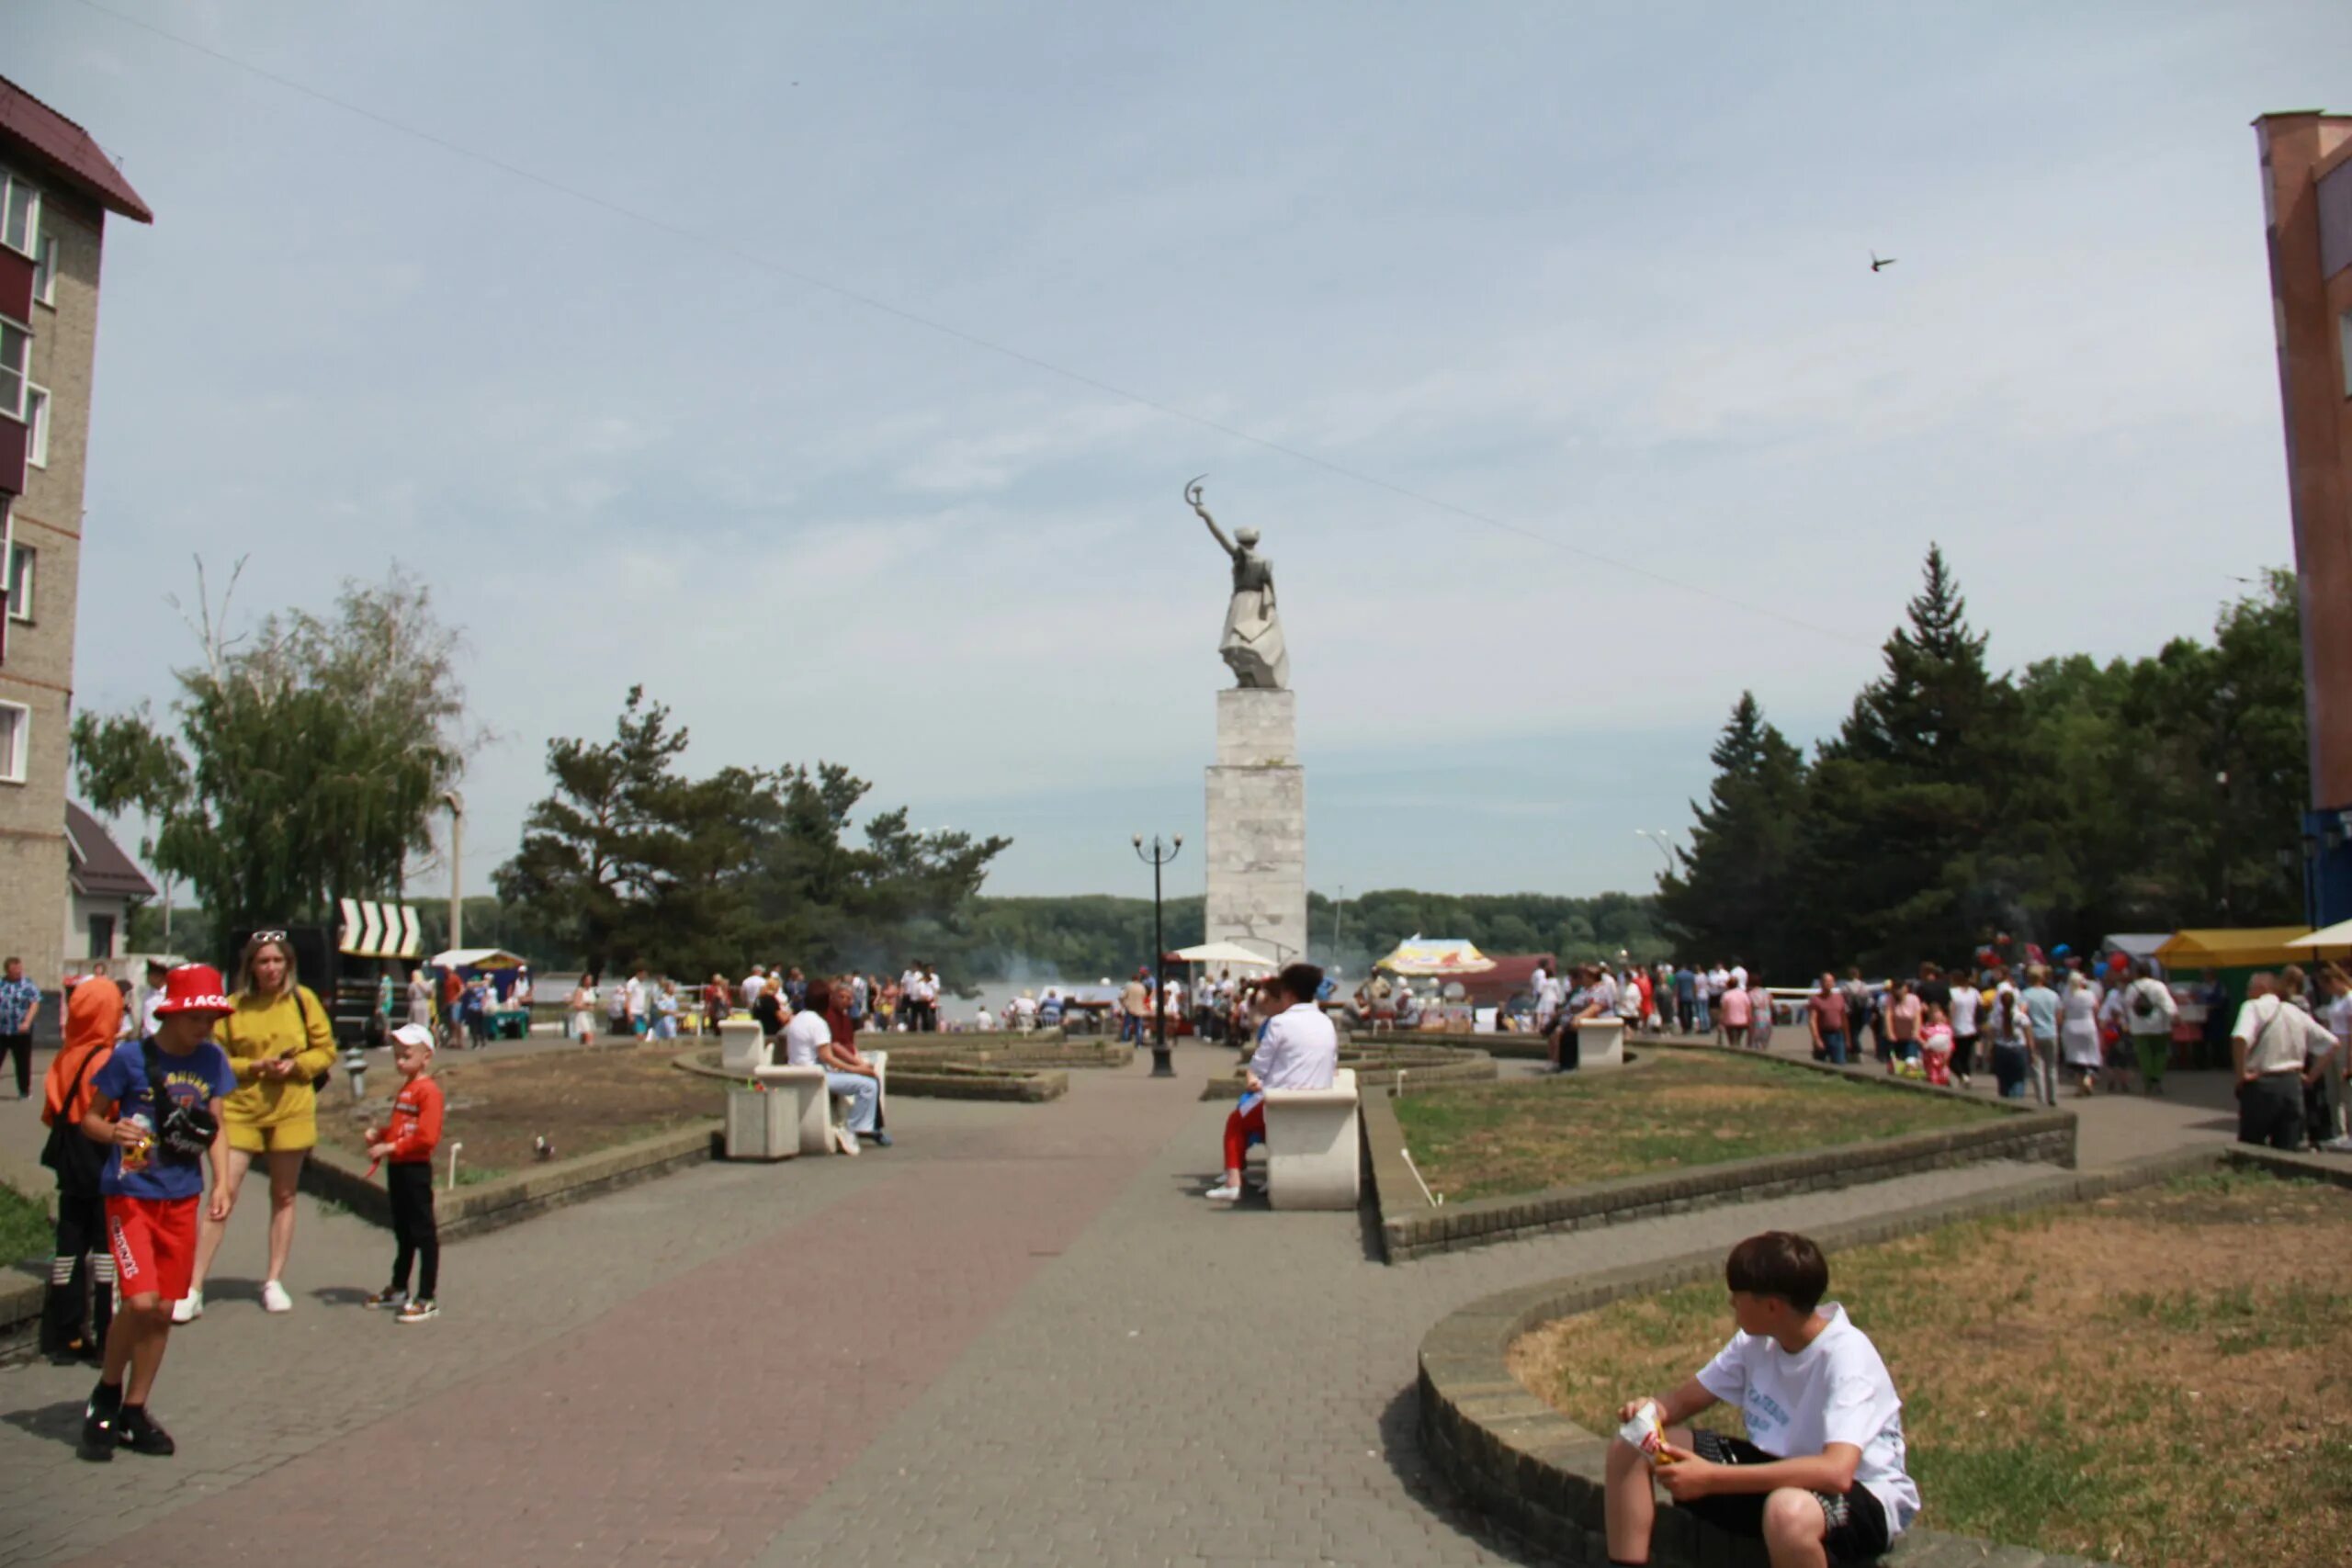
x=2159, y=1377
x=582, y=1100
x=1683, y=1109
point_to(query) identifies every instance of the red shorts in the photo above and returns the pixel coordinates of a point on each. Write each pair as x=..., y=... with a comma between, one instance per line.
x=155, y=1244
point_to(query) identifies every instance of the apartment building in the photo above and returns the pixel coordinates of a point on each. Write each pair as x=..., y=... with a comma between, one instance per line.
x=57, y=189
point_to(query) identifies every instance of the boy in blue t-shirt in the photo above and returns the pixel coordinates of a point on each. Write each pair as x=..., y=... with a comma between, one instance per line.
x=157, y=1103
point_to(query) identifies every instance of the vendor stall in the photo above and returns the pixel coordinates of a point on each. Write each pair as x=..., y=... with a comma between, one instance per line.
x=1446, y=960
x=508, y=1018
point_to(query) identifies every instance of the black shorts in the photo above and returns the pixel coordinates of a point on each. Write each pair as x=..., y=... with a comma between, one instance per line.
x=1853, y=1524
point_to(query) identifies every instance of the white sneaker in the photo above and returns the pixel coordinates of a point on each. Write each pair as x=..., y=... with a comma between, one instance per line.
x=274, y=1297
x=846, y=1140
x=189, y=1307
x=1223, y=1194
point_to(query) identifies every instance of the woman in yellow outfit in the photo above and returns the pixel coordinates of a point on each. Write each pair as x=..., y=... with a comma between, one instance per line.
x=277, y=1040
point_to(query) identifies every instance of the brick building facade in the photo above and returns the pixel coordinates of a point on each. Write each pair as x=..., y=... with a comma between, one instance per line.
x=56, y=189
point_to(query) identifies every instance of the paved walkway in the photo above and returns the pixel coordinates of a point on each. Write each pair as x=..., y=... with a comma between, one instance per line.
x=1018, y=1337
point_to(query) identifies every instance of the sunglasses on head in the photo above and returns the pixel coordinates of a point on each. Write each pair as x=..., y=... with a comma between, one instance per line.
x=269, y=936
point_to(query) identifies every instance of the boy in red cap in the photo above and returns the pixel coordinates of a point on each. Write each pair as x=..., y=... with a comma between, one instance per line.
x=408, y=1143
x=157, y=1105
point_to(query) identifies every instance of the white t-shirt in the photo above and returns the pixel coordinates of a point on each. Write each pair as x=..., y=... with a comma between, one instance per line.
x=1301, y=1050
x=2339, y=1019
x=1963, y=1009
x=2147, y=1007
x=2280, y=1038
x=804, y=1036
x=752, y=988
x=1739, y=975
x=1717, y=979
x=1836, y=1390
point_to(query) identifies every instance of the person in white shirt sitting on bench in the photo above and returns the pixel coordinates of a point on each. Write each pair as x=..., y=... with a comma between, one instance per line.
x=1298, y=1049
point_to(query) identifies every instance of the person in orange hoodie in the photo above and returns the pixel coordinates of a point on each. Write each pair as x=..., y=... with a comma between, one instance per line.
x=408, y=1143
x=78, y=1306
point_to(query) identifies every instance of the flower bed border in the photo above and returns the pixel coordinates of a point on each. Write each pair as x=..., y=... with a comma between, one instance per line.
x=1411, y=1227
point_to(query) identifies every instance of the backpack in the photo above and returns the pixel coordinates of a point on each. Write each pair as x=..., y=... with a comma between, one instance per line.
x=77, y=1160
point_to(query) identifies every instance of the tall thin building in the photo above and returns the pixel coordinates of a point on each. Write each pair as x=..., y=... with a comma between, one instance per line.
x=56, y=189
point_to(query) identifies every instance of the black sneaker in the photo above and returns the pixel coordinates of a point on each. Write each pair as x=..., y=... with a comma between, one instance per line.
x=392, y=1296
x=137, y=1430
x=101, y=1421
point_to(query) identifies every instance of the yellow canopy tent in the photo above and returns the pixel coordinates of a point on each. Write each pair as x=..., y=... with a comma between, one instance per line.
x=1417, y=955
x=2249, y=948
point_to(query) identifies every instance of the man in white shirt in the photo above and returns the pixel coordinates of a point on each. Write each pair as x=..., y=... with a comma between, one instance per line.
x=2278, y=1051
x=1546, y=1002
x=2149, y=1011
x=1820, y=1477
x=1738, y=975
x=754, y=984
x=1300, y=1050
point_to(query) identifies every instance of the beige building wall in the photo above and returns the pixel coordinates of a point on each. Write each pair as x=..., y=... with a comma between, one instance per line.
x=35, y=899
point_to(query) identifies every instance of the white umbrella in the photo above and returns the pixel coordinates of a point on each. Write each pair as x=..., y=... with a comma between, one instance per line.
x=2337, y=935
x=1224, y=952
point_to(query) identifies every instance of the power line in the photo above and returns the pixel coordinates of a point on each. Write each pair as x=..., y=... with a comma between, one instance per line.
x=781, y=269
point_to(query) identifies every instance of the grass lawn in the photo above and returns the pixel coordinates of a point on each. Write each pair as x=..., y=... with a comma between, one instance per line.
x=1684, y=1108
x=582, y=1100
x=2157, y=1378
x=25, y=1229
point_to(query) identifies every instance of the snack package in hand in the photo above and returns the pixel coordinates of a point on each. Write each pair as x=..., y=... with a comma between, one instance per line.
x=1646, y=1431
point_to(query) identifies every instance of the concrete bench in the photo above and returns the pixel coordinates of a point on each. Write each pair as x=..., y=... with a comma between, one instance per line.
x=1313, y=1152
x=742, y=1053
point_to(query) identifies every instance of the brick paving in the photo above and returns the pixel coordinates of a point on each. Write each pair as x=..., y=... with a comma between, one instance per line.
x=1019, y=1337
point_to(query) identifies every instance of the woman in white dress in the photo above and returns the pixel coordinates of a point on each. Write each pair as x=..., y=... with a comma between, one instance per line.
x=583, y=1010
x=2078, y=1030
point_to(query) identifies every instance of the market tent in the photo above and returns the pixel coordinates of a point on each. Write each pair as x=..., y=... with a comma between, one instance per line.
x=2337, y=935
x=1435, y=956
x=2243, y=949
x=2136, y=944
x=1222, y=952
x=477, y=958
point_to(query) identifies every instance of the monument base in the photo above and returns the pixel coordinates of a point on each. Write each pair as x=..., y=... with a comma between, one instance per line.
x=1256, y=825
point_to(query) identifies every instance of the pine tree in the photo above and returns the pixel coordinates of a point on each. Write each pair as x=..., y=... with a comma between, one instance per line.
x=1901, y=858
x=1729, y=899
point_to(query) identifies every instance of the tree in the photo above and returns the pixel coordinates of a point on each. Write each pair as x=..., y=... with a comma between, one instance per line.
x=309, y=758
x=629, y=861
x=1729, y=896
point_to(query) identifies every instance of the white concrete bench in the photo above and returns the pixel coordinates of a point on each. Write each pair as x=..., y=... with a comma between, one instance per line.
x=1314, y=1151
x=742, y=1054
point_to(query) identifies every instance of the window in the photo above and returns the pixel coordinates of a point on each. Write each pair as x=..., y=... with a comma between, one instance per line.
x=37, y=424
x=20, y=213
x=16, y=362
x=45, y=272
x=102, y=936
x=21, y=561
x=15, y=725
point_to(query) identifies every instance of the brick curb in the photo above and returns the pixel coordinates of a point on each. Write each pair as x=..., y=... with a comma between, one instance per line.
x=335, y=1176
x=1411, y=1227
x=1541, y=1477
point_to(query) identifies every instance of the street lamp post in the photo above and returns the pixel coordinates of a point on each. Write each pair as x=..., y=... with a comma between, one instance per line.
x=1159, y=855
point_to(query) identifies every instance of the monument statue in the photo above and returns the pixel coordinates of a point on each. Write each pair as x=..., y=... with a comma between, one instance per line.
x=1253, y=645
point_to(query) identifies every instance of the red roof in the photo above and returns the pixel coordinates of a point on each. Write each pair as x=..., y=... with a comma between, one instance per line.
x=28, y=125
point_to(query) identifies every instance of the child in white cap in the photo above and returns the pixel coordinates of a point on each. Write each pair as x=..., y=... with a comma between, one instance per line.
x=405, y=1148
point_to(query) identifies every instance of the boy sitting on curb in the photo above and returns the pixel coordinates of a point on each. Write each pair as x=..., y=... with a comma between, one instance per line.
x=1821, y=1480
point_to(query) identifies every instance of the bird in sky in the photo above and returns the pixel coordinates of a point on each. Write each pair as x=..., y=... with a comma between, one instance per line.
x=1880, y=263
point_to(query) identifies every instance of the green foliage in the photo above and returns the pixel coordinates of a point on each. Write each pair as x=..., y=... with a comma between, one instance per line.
x=1743, y=845
x=25, y=1229
x=309, y=761
x=1955, y=804
x=627, y=860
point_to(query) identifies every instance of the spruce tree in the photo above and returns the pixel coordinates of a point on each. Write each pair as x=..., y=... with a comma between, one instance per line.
x=1729, y=899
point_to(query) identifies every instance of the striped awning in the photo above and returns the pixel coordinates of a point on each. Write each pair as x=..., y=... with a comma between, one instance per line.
x=371, y=930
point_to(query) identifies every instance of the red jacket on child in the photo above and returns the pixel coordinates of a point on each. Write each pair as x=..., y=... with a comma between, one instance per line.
x=415, y=1131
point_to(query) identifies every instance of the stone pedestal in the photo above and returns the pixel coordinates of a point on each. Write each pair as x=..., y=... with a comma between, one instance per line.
x=1256, y=825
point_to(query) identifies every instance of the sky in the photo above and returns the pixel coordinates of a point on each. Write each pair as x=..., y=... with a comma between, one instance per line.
x=835, y=372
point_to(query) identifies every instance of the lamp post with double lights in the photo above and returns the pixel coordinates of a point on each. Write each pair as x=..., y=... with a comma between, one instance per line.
x=1158, y=856
x=1663, y=838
